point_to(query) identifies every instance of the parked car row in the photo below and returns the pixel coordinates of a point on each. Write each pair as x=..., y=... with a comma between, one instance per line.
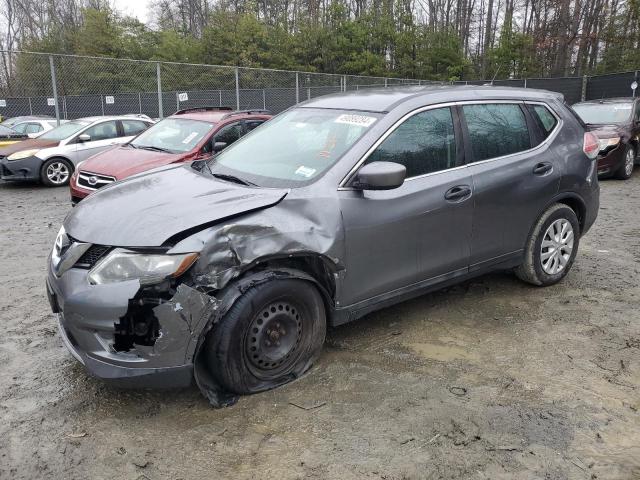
x=227, y=269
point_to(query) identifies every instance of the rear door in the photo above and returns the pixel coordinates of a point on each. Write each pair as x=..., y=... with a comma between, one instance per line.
x=102, y=136
x=421, y=231
x=515, y=174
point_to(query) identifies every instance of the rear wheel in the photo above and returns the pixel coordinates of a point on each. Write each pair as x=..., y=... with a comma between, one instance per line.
x=56, y=172
x=551, y=248
x=270, y=336
x=626, y=169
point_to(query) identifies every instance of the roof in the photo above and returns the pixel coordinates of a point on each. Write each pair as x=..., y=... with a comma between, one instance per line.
x=111, y=117
x=210, y=114
x=385, y=99
x=608, y=100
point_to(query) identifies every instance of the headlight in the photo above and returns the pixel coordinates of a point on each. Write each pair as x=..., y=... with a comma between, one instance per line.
x=123, y=265
x=605, y=143
x=23, y=154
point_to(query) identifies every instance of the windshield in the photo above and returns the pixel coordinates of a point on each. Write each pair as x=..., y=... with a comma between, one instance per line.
x=175, y=135
x=64, y=131
x=293, y=148
x=604, y=113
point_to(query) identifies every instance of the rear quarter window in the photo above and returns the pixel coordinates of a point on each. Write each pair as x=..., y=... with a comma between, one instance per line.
x=545, y=120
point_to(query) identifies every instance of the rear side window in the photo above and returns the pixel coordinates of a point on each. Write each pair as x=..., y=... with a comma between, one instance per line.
x=229, y=134
x=496, y=129
x=133, y=127
x=33, y=128
x=424, y=143
x=545, y=120
x=251, y=124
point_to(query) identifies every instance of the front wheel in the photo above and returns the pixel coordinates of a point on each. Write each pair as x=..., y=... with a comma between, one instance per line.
x=270, y=336
x=551, y=247
x=626, y=169
x=56, y=172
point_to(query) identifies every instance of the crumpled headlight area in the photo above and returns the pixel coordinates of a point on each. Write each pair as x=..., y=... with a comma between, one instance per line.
x=149, y=268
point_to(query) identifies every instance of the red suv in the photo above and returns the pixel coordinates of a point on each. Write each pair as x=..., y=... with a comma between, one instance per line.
x=187, y=135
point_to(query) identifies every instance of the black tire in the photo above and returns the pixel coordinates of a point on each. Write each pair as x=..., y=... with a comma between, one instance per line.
x=622, y=173
x=533, y=270
x=60, y=164
x=270, y=336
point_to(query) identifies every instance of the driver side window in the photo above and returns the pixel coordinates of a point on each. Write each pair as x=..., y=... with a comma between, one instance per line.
x=424, y=143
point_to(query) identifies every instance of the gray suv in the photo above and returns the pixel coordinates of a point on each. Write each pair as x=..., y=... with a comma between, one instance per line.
x=230, y=270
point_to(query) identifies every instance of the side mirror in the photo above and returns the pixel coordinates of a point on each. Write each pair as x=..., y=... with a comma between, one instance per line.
x=380, y=176
x=84, y=137
x=219, y=146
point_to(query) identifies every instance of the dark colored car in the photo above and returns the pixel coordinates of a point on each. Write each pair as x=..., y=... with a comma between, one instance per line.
x=616, y=122
x=185, y=136
x=230, y=270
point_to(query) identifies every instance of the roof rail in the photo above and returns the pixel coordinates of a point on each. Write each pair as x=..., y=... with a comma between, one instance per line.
x=203, y=109
x=244, y=112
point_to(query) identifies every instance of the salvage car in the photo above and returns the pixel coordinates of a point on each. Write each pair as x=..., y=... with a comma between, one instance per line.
x=616, y=122
x=187, y=135
x=51, y=158
x=8, y=136
x=230, y=270
x=35, y=127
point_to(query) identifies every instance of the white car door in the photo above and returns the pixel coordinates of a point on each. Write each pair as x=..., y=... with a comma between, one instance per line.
x=100, y=137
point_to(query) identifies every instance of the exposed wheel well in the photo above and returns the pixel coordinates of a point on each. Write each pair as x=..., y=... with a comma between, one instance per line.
x=316, y=266
x=57, y=157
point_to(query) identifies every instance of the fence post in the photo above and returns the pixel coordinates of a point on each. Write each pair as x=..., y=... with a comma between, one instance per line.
x=30, y=107
x=344, y=83
x=297, y=87
x=385, y=82
x=159, y=80
x=55, y=88
x=237, y=89
x=308, y=93
x=140, y=103
x=525, y=83
x=583, y=95
x=264, y=99
x=177, y=101
x=102, y=104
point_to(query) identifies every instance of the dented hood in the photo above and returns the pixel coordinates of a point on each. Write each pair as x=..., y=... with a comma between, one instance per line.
x=148, y=209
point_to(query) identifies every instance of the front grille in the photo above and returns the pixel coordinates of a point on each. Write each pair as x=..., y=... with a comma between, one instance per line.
x=93, y=181
x=91, y=256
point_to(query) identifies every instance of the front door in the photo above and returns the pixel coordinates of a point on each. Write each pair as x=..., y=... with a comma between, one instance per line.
x=416, y=233
x=102, y=136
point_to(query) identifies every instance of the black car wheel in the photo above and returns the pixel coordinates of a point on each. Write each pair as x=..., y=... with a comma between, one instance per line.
x=56, y=172
x=626, y=167
x=270, y=336
x=551, y=247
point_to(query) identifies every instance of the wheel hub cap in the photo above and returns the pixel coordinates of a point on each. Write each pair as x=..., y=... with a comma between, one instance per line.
x=557, y=246
x=274, y=335
x=628, y=165
x=57, y=172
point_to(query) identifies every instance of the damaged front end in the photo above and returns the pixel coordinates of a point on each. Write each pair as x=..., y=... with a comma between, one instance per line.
x=148, y=330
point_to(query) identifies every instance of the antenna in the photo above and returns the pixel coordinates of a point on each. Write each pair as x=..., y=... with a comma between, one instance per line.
x=496, y=74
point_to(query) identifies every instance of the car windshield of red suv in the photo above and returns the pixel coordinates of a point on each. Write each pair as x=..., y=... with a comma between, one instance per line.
x=172, y=135
x=604, y=113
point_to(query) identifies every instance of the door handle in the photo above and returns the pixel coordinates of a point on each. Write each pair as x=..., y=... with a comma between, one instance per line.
x=457, y=194
x=542, y=168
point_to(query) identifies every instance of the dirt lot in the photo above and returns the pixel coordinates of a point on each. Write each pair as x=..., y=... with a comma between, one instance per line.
x=489, y=380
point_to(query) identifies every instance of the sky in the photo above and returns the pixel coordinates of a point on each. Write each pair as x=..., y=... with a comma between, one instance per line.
x=135, y=8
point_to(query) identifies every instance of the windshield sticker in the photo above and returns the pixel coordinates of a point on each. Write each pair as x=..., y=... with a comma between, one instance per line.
x=360, y=120
x=305, y=171
x=191, y=136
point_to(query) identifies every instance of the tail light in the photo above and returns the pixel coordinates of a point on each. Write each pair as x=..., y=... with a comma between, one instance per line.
x=590, y=146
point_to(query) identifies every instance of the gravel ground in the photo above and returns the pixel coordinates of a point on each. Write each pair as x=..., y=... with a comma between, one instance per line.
x=492, y=379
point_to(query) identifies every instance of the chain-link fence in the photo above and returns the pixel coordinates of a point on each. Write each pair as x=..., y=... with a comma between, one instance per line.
x=69, y=86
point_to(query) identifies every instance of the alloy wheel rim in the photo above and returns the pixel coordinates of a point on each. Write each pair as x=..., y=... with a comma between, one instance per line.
x=57, y=173
x=557, y=246
x=628, y=164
